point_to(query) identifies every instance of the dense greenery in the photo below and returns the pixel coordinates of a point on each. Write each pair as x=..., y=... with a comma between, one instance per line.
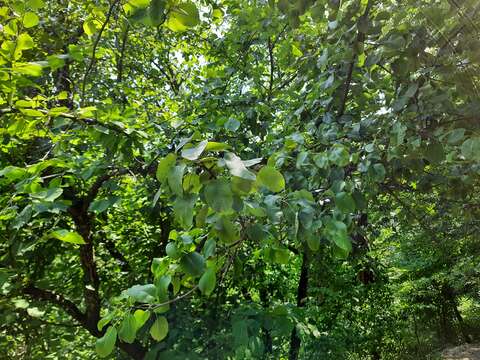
x=291, y=179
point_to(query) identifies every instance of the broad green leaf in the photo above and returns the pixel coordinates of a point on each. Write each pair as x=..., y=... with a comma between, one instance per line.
x=378, y=172
x=336, y=232
x=345, y=202
x=296, y=51
x=185, y=14
x=193, y=264
x=31, y=69
x=159, y=329
x=104, y=321
x=338, y=155
x=67, y=236
x=175, y=179
x=162, y=284
x=191, y=183
x=271, y=178
x=165, y=165
x=226, y=230
x=456, y=136
x=100, y=205
x=24, y=42
x=172, y=251
x=104, y=345
x=237, y=167
x=193, y=153
x=91, y=26
x=241, y=186
x=434, y=152
x=313, y=242
x=281, y=256
x=209, y=248
x=471, y=149
x=218, y=195
x=128, y=329
x=232, y=124
x=35, y=4
x=175, y=25
x=216, y=146
x=183, y=209
x=142, y=293
x=207, y=281
x=141, y=318
x=157, y=11
x=30, y=19
x=48, y=195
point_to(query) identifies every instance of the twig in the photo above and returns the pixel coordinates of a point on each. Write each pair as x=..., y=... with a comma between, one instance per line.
x=94, y=50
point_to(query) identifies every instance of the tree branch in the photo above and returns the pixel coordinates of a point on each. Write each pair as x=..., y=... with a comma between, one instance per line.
x=360, y=39
x=94, y=50
x=56, y=299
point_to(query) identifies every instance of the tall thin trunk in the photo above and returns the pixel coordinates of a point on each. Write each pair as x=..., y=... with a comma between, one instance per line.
x=461, y=324
x=301, y=300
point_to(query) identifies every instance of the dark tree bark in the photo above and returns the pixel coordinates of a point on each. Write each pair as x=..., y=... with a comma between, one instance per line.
x=302, y=290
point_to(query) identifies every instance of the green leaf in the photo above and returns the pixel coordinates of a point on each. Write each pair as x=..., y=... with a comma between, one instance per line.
x=30, y=19
x=218, y=195
x=296, y=51
x=183, y=16
x=193, y=153
x=91, y=26
x=471, y=149
x=281, y=256
x=434, y=152
x=191, y=183
x=128, y=329
x=24, y=42
x=172, y=251
x=216, y=146
x=456, y=136
x=207, y=281
x=100, y=205
x=237, y=167
x=104, y=321
x=378, y=172
x=193, y=264
x=183, y=210
x=159, y=329
x=232, y=124
x=313, y=242
x=48, y=195
x=209, y=248
x=336, y=231
x=141, y=318
x=338, y=155
x=174, y=179
x=31, y=69
x=164, y=166
x=157, y=11
x=67, y=236
x=104, y=345
x=345, y=202
x=226, y=230
x=241, y=186
x=271, y=178
x=142, y=293
x=35, y=4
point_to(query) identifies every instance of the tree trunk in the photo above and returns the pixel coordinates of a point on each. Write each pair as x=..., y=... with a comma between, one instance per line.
x=301, y=299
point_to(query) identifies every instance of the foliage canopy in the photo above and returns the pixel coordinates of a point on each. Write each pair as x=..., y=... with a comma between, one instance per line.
x=238, y=179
